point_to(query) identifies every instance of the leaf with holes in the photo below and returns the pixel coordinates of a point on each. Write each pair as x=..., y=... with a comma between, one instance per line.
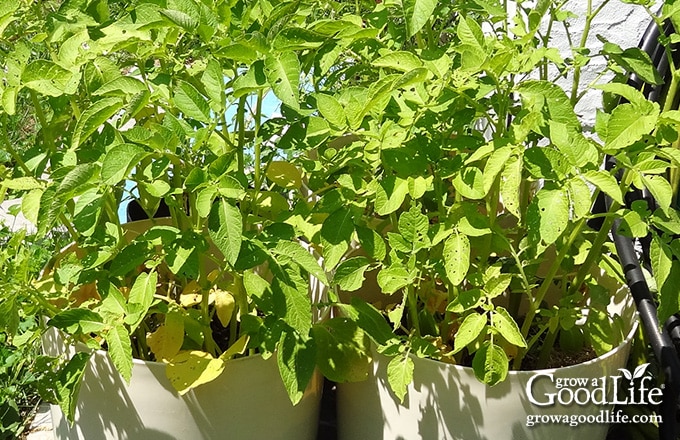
x=507, y=327
x=413, y=225
x=548, y=216
x=456, y=257
x=283, y=74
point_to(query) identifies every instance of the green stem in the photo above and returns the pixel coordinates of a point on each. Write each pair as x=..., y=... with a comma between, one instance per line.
x=547, y=348
x=412, y=299
x=258, y=144
x=550, y=276
x=43, y=122
x=240, y=120
x=590, y=16
x=595, y=252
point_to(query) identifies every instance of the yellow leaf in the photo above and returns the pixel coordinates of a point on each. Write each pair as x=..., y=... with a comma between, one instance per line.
x=212, y=276
x=239, y=347
x=191, y=295
x=284, y=174
x=190, y=369
x=224, y=306
x=167, y=340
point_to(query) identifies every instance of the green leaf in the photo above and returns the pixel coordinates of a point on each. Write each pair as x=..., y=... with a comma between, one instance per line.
x=418, y=186
x=637, y=61
x=30, y=205
x=390, y=194
x=92, y=118
x=417, y=13
x=669, y=298
x=48, y=78
x=600, y=331
x=573, y=145
x=628, y=124
x=629, y=93
x=552, y=99
x=190, y=102
x=121, y=86
x=511, y=179
x=21, y=183
x=456, y=257
x=400, y=375
x=70, y=380
x=119, y=161
x=661, y=259
x=213, y=81
x=331, y=110
x=470, y=33
x=548, y=216
x=369, y=319
x=507, y=327
x=494, y=166
x=182, y=19
x=546, y=163
x=497, y=285
x=140, y=298
x=338, y=226
x=372, y=243
x=349, y=275
x=413, y=225
x=87, y=210
x=661, y=190
x=301, y=257
x=296, y=360
x=606, y=183
x=632, y=225
x=470, y=329
x=470, y=183
x=580, y=196
x=393, y=278
x=399, y=60
x=225, y=226
x=490, y=364
x=254, y=284
x=342, y=352
x=120, y=350
x=74, y=321
x=294, y=305
x=283, y=75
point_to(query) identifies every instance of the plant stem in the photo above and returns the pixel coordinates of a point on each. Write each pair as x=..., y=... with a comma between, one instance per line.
x=547, y=348
x=240, y=120
x=412, y=299
x=550, y=276
x=590, y=15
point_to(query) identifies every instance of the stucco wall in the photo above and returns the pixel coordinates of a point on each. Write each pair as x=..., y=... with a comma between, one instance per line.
x=618, y=22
